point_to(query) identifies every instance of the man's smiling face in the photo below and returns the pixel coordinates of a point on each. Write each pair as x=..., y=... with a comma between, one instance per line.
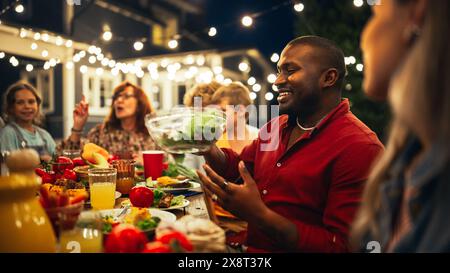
x=298, y=79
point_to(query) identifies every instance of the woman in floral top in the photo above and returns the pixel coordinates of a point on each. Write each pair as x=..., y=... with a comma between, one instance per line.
x=123, y=133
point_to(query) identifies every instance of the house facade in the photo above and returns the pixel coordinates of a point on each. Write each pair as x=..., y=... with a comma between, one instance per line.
x=68, y=57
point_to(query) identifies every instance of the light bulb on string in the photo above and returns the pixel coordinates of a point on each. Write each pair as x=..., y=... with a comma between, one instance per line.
x=299, y=7
x=59, y=41
x=92, y=59
x=256, y=87
x=107, y=34
x=19, y=8
x=212, y=31
x=173, y=44
x=83, y=69
x=69, y=65
x=138, y=45
x=269, y=96
x=23, y=33
x=274, y=58
x=271, y=78
x=29, y=67
x=244, y=67
x=358, y=3
x=69, y=43
x=45, y=37
x=247, y=21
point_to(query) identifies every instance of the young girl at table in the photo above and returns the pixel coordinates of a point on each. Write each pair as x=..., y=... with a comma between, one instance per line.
x=407, y=59
x=22, y=115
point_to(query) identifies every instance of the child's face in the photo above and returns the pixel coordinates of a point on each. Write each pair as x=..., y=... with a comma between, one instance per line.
x=25, y=108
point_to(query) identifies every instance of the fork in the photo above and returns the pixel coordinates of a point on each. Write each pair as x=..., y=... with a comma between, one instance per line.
x=123, y=212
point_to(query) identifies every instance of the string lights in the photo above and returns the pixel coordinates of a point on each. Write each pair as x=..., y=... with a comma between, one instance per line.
x=193, y=64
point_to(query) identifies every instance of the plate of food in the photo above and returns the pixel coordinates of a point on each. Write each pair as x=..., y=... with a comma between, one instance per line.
x=146, y=219
x=170, y=184
x=161, y=200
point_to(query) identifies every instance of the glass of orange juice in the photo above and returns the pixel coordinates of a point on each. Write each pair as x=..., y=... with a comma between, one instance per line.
x=102, y=186
x=85, y=237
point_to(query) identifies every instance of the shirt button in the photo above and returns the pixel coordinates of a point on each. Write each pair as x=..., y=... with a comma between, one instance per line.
x=278, y=164
x=264, y=192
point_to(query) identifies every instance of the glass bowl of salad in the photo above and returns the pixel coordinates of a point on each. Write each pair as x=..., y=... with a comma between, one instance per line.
x=187, y=130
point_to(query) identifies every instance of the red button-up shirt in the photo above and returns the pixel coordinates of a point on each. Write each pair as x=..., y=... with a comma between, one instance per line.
x=316, y=184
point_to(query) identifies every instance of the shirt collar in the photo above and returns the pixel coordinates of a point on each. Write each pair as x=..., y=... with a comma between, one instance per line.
x=340, y=110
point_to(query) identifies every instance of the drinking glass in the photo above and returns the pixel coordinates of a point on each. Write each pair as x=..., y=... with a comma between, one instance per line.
x=125, y=175
x=85, y=237
x=71, y=153
x=102, y=186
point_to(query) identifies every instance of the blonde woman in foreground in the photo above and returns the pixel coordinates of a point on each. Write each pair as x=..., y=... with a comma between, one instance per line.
x=407, y=60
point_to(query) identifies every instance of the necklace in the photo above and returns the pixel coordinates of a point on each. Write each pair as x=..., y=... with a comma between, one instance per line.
x=309, y=128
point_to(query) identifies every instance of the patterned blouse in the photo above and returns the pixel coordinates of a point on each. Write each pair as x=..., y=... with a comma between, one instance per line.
x=118, y=142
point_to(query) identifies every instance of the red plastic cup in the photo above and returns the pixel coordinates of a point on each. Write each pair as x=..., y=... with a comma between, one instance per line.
x=153, y=164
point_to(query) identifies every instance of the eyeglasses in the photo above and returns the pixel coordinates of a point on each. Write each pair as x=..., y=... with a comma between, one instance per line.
x=123, y=96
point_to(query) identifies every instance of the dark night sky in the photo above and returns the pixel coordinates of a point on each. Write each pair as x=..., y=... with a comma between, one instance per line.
x=269, y=33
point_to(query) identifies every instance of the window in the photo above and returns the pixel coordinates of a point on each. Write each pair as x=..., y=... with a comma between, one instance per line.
x=98, y=91
x=43, y=81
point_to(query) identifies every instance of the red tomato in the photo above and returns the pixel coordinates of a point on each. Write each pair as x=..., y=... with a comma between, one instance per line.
x=111, y=158
x=78, y=161
x=175, y=239
x=165, y=165
x=70, y=174
x=141, y=196
x=62, y=163
x=48, y=178
x=156, y=247
x=125, y=239
x=40, y=172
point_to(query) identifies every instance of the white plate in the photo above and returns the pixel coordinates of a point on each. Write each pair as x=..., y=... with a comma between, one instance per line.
x=163, y=215
x=185, y=204
x=194, y=186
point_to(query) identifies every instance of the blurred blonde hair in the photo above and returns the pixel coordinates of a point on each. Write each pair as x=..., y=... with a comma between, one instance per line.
x=420, y=98
x=204, y=91
x=236, y=93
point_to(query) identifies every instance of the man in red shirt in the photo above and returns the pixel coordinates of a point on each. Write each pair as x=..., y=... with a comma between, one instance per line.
x=301, y=193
